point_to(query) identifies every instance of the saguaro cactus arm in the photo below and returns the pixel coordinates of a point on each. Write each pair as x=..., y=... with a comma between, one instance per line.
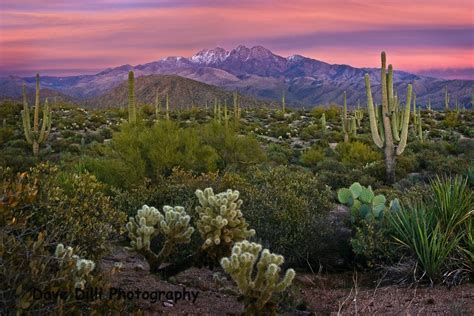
x=371, y=110
x=37, y=104
x=406, y=121
x=46, y=123
x=25, y=115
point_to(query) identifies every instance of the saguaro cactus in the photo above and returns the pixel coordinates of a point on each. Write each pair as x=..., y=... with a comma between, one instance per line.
x=387, y=142
x=283, y=103
x=257, y=288
x=226, y=115
x=419, y=127
x=323, y=122
x=347, y=126
x=157, y=106
x=236, y=107
x=36, y=136
x=167, y=107
x=132, y=107
x=359, y=114
x=446, y=99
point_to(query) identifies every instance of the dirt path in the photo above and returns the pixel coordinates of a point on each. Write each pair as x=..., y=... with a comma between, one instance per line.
x=134, y=275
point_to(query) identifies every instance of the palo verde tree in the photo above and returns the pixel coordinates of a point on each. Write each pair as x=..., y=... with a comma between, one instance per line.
x=34, y=136
x=386, y=139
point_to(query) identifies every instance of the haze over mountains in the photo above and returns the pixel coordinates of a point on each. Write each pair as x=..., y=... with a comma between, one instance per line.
x=252, y=71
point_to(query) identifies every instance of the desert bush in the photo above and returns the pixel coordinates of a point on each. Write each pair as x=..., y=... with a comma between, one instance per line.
x=312, y=156
x=154, y=151
x=337, y=175
x=6, y=133
x=29, y=263
x=77, y=204
x=451, y=120
x=288, y=207
x=356, y=153
x=280, y=154
x=237, y=151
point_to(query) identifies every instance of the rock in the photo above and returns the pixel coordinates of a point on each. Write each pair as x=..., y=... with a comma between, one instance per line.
x=337, y=251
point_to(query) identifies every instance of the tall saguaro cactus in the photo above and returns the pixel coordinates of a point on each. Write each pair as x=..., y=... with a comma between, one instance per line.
x=157, y=106
x=345, y=121
x=446, y=99
x=167, y=107
x=36, y=136
x=386, y=142
x=236, y=107
x=283, y=103
x=132, y=108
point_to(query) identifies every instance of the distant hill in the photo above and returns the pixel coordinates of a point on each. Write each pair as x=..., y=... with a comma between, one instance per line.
x=182, y=92
x=258, y=72
x=11, y=89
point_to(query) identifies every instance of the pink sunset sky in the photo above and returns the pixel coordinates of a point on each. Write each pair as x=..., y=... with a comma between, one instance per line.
x=64, y=37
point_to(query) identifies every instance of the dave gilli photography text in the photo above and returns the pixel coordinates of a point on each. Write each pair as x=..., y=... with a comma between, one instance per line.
x=115, y=293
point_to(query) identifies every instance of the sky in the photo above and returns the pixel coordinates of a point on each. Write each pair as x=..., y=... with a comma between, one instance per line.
x=64, y=37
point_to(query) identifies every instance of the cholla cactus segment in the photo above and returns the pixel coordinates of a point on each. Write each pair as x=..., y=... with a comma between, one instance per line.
x=80, y=269
x=220, y=219
x=62, y=252
x=260, y=289
x=142, y=228
x=175, y=225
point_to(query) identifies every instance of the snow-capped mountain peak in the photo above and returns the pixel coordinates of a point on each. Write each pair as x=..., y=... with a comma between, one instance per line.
x=210, y=56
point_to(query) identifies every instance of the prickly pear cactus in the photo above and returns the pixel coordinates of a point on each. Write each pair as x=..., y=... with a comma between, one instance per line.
x=221, y=223
x=174, y=225
x=81, y=268
x=257, y=288
x=364, y=203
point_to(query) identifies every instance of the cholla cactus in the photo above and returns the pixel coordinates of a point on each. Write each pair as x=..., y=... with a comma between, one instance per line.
x=149, y=222
x=221, y=222
x=141, y=229
x=80, y=269
x=257, y=291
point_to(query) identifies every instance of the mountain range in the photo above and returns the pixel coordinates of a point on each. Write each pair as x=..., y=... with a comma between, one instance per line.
x=255, y=72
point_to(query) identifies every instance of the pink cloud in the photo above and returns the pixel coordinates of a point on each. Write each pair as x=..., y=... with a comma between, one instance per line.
x=99, y=34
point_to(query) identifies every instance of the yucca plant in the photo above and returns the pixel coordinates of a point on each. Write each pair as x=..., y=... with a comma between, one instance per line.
x=453, y=203
x=439, y=231
x=417, y=230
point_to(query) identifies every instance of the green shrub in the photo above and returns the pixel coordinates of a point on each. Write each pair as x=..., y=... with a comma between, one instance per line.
x=28, y=260
x=312, y=156
x=288, y=207
x=77, y=204
x=356, y=153
x=280, y=154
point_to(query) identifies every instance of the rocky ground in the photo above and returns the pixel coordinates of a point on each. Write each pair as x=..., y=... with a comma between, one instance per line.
x=333, y=294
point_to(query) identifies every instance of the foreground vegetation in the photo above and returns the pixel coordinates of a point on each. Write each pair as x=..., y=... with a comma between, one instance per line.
x=68, y=188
